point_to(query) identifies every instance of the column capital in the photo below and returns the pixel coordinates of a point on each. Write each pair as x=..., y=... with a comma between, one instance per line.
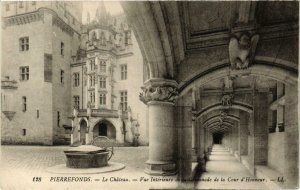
x=159, y=89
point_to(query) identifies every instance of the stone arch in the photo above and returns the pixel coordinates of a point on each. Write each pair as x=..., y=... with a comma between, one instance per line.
x=279, y=70
x=103, y=127
x=227, y=124
x=216, y=128
x=232, y=117
x=235, y=105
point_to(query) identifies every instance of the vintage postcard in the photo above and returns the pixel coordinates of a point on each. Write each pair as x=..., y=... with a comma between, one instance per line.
x=149, y=95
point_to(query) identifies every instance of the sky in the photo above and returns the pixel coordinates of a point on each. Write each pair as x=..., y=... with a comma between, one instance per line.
x=113, y=7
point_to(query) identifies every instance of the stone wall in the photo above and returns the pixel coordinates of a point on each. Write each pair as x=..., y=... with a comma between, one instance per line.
x=276, y=157
x=37, y=92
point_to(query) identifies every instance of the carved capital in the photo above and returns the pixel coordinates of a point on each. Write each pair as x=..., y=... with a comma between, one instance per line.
x=158, y=89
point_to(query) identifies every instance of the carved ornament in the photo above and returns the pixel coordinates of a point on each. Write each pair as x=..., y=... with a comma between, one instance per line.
x=159, y=91
x=242, y=50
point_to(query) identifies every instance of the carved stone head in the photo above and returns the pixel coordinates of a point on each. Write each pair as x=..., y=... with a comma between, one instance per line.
x=244, y=41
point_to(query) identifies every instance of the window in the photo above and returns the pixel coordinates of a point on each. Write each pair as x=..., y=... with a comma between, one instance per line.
x=24, y=103
x=23, y=132
x=123, y=72
x=92, y=97
x=102, y=66
x=92, y=64
x=24, y=73
x=102, y=82
x=102, y=99
x=62, y=72
x=92, y=81
x=20, y=4
x=58, y=118
x=76, y=79
x=124, y=100
x=37, y=113
x=76, y=101
x=24, y=44
x=102, y=39
x=7, y=7
x=62, y=46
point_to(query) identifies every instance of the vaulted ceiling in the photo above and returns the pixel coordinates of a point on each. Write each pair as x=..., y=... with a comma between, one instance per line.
x=169, y=31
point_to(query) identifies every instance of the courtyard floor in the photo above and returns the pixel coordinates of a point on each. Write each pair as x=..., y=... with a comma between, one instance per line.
x=24, y=167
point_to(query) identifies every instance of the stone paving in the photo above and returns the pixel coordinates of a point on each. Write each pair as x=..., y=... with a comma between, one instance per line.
x=23, y=166
x=222, y=165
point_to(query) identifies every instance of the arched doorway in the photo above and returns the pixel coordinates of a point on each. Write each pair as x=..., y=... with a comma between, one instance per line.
x=83, y=131
x=104, y=128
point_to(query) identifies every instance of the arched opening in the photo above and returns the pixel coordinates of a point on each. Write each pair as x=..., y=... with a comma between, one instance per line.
x=104, y=128
x=83, y=131
x=217, y=138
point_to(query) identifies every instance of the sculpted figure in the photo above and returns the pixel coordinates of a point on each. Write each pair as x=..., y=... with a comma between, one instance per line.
x=242, y=51
x=226, y=100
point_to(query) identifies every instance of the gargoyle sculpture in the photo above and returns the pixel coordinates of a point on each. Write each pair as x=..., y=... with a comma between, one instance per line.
x=227, y=99
x=242, y=51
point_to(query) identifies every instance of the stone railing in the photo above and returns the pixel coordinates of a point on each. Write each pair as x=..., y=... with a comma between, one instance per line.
x=99, y=113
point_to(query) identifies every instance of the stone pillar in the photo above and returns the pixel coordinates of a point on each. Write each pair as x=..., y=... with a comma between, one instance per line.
x=72, y=140
x=129, y=135
x=258, y=139
x=291, y=144
x=201, y=157
x=194, y=139
x=184, y=127
x=87, y=140
x=261, y=130
x=235, y=138
x=120, y=134
x=243, y=148
x=160, y=94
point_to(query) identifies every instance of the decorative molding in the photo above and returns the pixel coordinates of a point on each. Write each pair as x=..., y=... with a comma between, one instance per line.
x=23, y=18
x=8, y=84
x=56, y=21
x=161, y=90
x=9, y=114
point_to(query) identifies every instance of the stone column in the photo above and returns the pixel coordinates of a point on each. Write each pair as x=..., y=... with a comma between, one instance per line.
x=87, y=140
x=72, y=131
x=235, y=138
x=194, y=138
x=243, y=148
x=258, y=139
x=261, y=130
x=184, y=127
x=291, y=144
x=201, y=157
x=160, y=94
x=280, y=108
